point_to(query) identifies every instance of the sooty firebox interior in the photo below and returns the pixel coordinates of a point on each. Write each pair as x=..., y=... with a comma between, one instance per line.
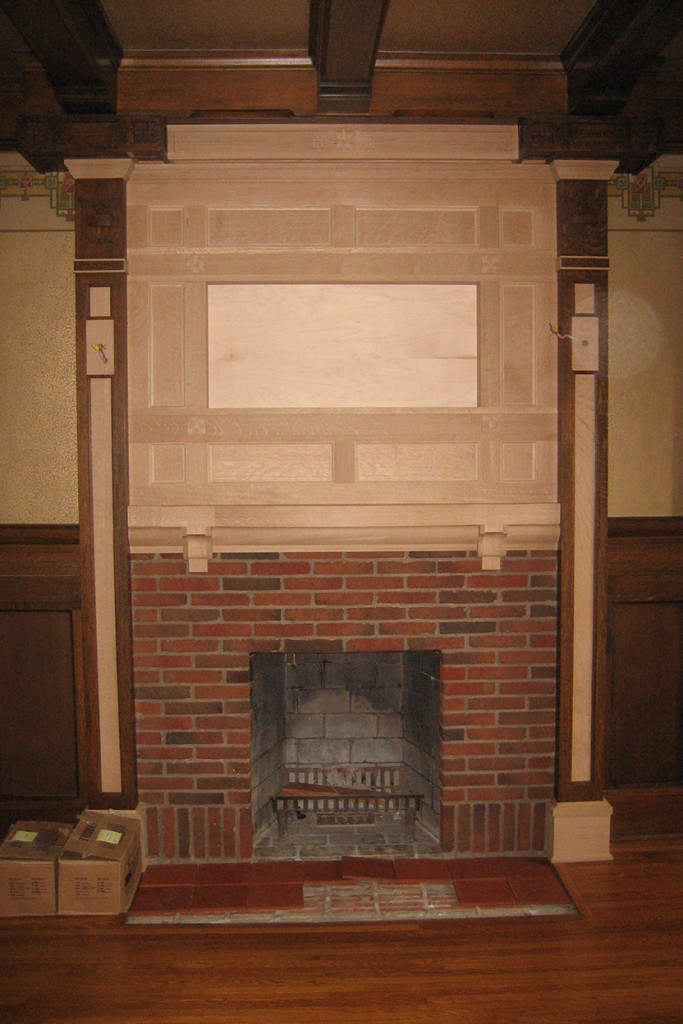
x=330, y=727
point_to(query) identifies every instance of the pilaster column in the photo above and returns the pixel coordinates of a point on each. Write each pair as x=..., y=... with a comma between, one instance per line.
x=579, y=822
x=101, y=315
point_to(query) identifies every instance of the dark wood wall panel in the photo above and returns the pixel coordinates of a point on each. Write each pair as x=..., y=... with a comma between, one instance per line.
x=38, y=748
x=645, y=641
x=43, y=769
x=646, y=730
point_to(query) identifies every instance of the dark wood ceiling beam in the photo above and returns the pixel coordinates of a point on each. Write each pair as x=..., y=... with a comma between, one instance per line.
x=614, y=47
x=72, y=41
x=343, y=42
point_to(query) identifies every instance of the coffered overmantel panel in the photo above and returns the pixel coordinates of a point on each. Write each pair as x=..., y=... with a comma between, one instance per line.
x=341, y=205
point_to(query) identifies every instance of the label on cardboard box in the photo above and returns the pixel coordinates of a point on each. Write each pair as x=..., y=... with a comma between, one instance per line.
x=108, y=835
x=24, y=837
x=27, y=888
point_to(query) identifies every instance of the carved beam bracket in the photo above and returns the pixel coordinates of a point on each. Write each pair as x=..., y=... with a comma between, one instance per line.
x=48, y=142
x=635, y=144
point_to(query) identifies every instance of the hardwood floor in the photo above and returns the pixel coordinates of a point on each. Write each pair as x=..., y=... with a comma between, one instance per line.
x=620, y=961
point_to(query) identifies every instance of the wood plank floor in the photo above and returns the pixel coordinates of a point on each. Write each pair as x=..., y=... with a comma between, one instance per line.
x=618, y=962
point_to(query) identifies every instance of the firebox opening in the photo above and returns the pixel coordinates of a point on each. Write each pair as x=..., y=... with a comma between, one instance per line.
x=349, y=722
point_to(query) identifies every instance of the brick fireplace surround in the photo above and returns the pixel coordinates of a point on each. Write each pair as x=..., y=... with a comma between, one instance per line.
x=194, y=633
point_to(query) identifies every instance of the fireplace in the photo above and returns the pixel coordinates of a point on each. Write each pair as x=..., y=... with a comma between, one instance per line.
x=396, y=494
x=483, y=642
x=335, y=726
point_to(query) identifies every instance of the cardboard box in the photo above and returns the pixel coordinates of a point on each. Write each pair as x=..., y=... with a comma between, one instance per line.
x=28, y=867
x=100, y=865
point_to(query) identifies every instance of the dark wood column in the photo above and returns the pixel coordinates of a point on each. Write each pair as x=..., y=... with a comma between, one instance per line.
x=101, y=316
x=581, y=816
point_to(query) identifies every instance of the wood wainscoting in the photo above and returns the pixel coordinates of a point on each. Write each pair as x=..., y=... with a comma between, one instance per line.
x=45, y=763
x=645, y=642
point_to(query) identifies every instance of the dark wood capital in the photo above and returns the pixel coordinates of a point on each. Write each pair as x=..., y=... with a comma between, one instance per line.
x=581, y=218
x=100, y=219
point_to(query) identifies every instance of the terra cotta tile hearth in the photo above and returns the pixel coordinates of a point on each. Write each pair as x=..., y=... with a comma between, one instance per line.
x=352, y=889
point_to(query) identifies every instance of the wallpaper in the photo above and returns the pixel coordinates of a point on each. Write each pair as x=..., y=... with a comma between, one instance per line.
x=38, y=458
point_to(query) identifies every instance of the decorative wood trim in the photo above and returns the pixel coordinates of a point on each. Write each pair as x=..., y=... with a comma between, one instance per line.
x=348, y=141
x=39, y=567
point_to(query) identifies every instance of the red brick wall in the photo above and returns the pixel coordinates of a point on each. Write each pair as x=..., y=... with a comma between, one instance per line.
x=193, y=635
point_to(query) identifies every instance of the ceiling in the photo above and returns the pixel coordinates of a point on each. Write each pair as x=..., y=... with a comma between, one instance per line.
x=422, y=59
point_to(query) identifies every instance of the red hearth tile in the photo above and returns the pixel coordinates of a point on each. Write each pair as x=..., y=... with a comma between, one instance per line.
x=484, y=892
x=223, y=874
x=219, y=898
x=529, y=867
x=322, y=871
x=542, y=887
x=161, y=899
x=421, y=870
x=269, y=896
x=368, y=867
x=169, y=874
x=476, y=867
x=277, y=872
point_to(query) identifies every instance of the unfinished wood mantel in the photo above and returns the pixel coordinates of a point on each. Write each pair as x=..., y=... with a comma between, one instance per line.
x=337, y=204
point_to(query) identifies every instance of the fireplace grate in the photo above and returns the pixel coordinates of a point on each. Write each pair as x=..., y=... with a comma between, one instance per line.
x=386, y=777
x=347, y=818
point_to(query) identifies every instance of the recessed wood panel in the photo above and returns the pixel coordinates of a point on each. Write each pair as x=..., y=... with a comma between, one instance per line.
x=270, y=226
x=518, y=344
x=518, y=227
x=167, y=345
x=165, y=226
x=383, y=462
x=270, y=462
x=416, y=227
x=518, y=460
x=167, y=463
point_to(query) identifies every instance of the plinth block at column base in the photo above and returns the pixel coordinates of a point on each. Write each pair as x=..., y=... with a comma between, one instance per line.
x=578, y=831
